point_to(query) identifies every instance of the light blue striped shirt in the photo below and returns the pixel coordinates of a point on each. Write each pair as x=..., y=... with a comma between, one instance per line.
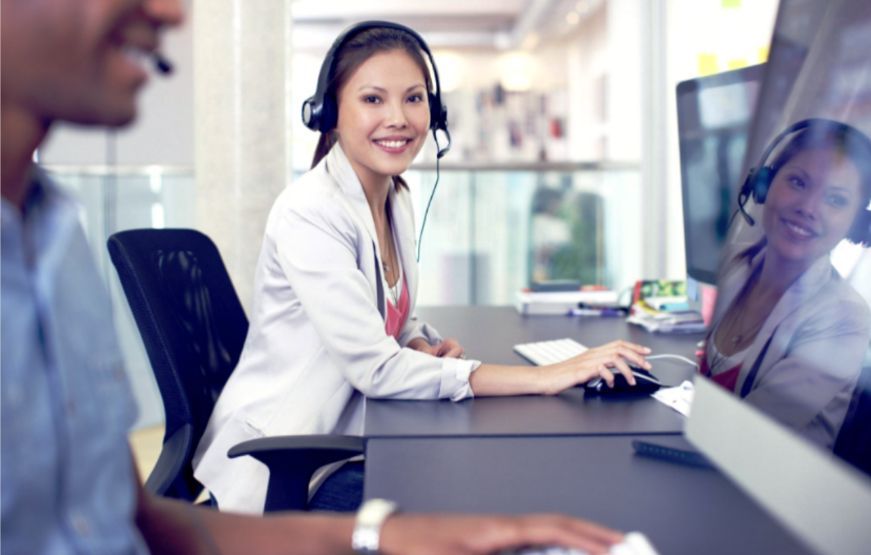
x=67, y=475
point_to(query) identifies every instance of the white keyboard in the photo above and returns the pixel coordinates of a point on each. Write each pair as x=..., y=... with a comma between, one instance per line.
x=542, y=353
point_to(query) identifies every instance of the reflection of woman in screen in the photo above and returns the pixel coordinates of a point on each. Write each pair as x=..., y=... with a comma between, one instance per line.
x=789, y=334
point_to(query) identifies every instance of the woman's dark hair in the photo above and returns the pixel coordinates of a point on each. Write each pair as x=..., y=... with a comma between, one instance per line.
x=353, y=53
x=852, y=144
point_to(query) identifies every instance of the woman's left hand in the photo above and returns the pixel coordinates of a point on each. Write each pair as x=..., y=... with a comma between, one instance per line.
x=449, y=348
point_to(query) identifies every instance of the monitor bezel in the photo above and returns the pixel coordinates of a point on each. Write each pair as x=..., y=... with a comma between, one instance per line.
x=749, y=74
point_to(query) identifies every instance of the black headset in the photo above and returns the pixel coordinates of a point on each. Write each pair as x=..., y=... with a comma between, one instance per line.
x=759, y=178
x=320, y=111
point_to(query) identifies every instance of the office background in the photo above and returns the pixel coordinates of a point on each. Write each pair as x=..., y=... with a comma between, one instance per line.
x=564, y=163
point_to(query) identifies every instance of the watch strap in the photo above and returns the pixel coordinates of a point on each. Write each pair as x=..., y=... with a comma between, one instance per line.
x=367, y=529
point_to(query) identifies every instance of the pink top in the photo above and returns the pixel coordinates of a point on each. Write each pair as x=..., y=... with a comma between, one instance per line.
x=727, y=379
x=398, y=314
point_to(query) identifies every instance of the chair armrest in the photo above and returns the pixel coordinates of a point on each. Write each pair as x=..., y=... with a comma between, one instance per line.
x=292, y=460
x=167, y=478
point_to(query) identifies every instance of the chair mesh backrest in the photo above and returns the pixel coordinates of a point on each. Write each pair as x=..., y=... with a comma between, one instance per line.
x=188, y=314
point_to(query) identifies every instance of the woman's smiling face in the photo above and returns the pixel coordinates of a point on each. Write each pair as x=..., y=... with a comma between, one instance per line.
x=383, y=115
x=811, y=204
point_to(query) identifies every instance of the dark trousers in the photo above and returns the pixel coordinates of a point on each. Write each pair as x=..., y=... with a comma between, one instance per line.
x=342, y=491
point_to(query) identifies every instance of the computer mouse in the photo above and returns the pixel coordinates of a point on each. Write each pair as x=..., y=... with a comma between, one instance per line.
x=645, y=383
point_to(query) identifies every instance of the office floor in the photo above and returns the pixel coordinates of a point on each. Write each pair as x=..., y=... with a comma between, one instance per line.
x=146, y=443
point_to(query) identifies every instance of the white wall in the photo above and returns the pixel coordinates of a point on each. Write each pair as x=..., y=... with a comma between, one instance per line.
x=163, y=133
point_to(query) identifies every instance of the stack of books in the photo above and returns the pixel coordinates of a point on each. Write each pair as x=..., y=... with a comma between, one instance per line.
x=661, y=306
x=562, y=303
x=665, y=321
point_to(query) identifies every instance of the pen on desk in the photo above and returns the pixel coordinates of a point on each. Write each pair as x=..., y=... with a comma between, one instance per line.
x=674, y=307
x=596, y=312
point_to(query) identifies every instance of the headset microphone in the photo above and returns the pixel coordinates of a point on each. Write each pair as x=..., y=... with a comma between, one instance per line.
x=742, y=200
x=161, y=64
x=442, y=150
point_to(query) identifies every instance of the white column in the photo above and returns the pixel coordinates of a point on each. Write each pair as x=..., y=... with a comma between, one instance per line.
x=241, y=83
x=654, y=126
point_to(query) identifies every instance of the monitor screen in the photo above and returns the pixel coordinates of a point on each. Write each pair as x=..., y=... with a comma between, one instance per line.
x=714, y=115
x=791, y=331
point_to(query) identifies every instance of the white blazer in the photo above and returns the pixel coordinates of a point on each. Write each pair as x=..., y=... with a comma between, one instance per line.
x=316, y=343
x=818, y=331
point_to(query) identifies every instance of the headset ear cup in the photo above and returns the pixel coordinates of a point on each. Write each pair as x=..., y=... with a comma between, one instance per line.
x=311, y=113
x=866, y=226
x=435, y=111
x=761, y=183
x=329, y=115
x=861, y=231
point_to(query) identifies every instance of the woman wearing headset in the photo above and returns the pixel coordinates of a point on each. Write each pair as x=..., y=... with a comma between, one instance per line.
x=789, y=332
x=333, y=315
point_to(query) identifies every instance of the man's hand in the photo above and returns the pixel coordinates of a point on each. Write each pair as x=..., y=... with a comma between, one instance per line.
x=407, y=534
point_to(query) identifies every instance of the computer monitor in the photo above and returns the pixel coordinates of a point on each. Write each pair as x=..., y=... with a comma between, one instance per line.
x=714, y=114
x=823, y=501
x=798, y=469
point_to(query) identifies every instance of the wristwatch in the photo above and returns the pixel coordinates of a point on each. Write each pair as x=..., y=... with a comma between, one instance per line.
x=367, y=530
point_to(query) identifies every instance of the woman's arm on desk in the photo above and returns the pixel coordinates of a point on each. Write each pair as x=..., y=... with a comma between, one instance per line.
x=495, y=379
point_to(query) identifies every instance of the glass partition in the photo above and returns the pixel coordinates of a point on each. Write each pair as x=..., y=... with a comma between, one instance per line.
x=114, y=199
x=491, y=231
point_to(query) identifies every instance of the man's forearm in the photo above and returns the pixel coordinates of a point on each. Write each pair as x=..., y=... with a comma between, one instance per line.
x=174, y=527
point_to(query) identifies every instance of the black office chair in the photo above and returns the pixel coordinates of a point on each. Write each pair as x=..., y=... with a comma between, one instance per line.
x=193, y=328
x=853, y=443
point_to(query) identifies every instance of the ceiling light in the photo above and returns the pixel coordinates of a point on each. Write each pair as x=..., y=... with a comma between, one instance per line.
x=516, y=71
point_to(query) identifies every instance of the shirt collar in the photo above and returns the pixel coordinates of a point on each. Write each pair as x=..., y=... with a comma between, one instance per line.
x=339, y=167
x=47, y=211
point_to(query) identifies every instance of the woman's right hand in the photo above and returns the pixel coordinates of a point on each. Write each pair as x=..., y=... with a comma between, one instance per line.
x=600, y=361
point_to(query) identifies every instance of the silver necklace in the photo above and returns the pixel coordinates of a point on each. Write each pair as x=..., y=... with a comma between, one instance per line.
x=739, y=331
x=393, y=289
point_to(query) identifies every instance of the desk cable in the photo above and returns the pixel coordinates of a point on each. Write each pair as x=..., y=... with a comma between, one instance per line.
x=675, y=357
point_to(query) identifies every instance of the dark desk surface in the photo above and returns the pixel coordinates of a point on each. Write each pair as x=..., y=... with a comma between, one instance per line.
x=681, y=509
x=488, y=334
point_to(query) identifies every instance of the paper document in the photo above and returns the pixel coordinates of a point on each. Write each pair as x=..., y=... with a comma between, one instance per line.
x=680, y=398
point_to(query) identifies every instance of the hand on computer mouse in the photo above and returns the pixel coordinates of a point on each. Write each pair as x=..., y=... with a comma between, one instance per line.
x=598, y=362
x=645, y=383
